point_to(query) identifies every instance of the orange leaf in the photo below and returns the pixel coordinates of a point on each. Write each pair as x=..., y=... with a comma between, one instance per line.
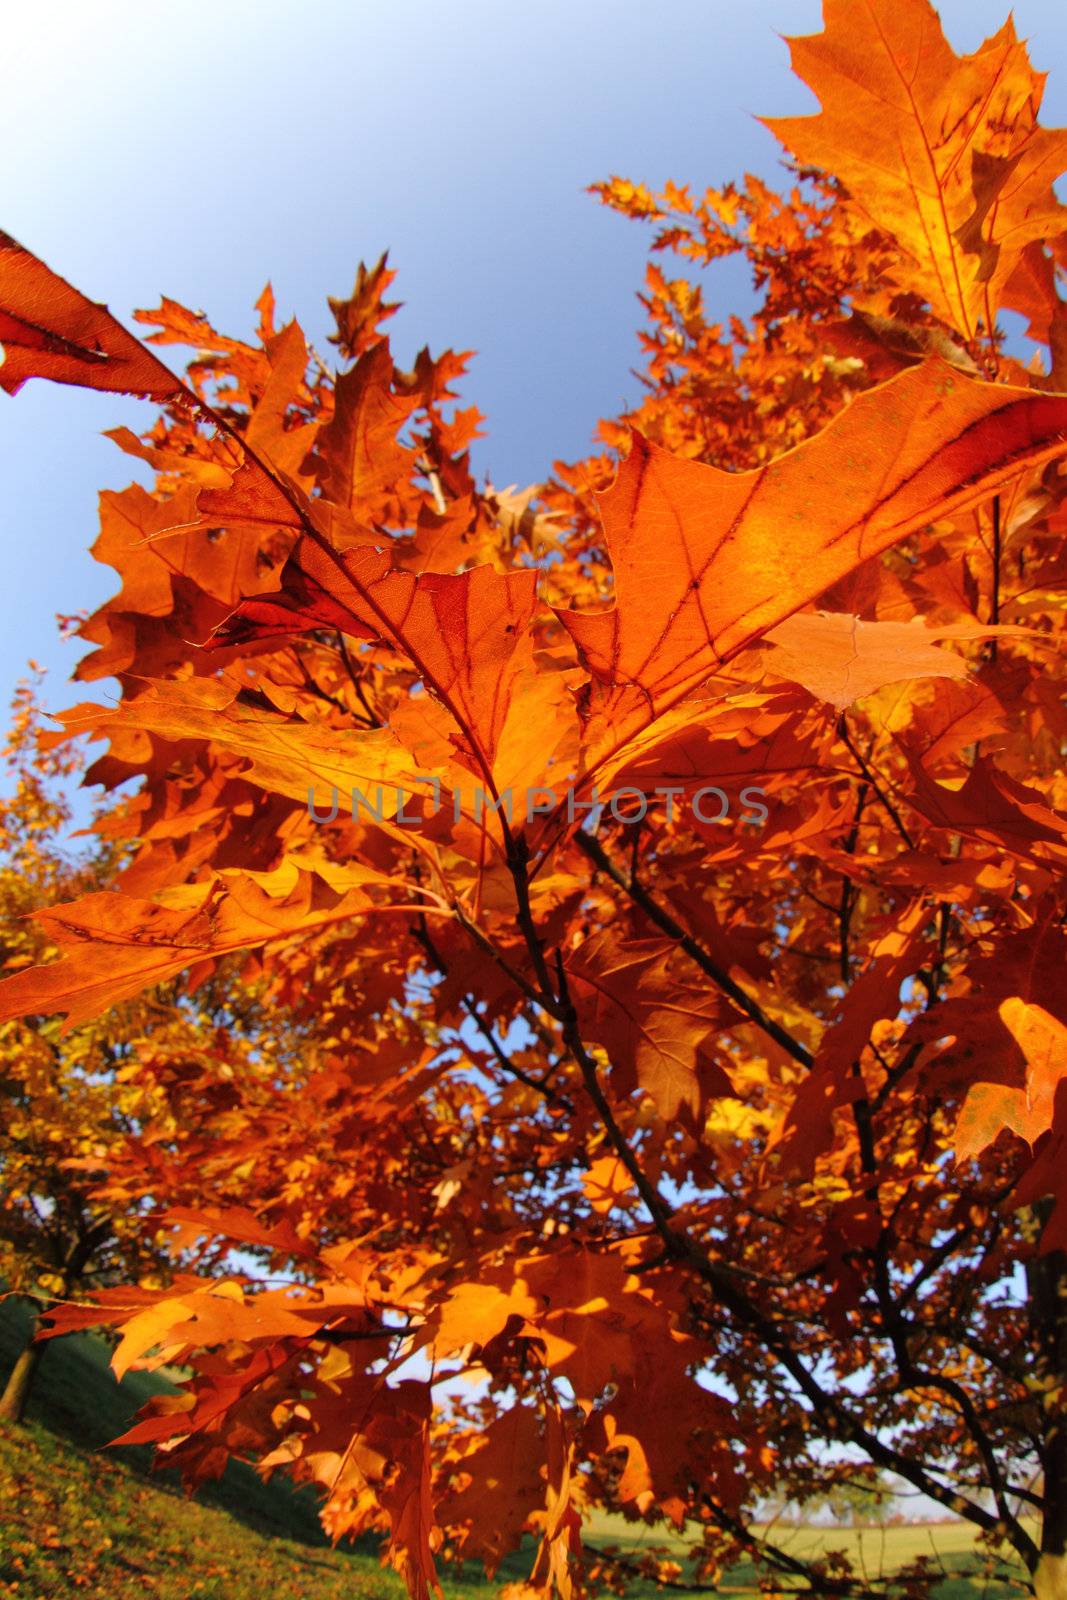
x=607, y=1183
x=941, y=151
x=118, y=945
x=50, y=330
x=654, y=1027
x=707, y=561
x=467, y=634
x=840, y=658
x=1027, y=1110
x=505, y=1487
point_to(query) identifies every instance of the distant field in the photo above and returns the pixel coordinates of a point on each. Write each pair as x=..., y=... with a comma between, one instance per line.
x=951, y=1547
x=81, y=1521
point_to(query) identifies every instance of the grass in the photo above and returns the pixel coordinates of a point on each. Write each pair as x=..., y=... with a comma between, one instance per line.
x=958, y=1570
x=82, y=1520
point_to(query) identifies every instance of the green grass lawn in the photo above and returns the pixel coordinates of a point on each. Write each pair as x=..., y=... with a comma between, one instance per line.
x=81, y=1520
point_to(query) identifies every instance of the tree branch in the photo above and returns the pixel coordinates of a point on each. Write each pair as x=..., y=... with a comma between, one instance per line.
x=696, y=952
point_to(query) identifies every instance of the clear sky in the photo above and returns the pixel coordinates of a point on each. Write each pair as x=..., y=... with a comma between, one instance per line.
x=198, y=149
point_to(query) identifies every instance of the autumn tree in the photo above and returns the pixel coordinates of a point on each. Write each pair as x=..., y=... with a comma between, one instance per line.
x=74, y=1101
x=670, y=861
x=61, y=1103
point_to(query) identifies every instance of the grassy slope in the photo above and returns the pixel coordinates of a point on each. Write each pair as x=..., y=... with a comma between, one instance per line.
x=81, y=1520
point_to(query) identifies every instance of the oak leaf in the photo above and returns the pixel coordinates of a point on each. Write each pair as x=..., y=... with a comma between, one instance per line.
x=467, y=634
x=115, y=945
x=1027, y=1108
x=656, y=1029
x=504, y=1469
x=706, y=562
x=942, y=152
x=841, y=658
x=50, y=330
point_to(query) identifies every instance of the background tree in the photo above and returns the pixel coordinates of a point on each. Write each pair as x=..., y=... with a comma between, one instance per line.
x=75, y=1100
x=858, y=1498
x=710, y=1153
x=859, y=1502
x=62, y=1105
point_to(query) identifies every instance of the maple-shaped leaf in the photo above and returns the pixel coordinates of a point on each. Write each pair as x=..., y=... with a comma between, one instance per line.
x=707, y=561
x=942, y=152
x=841, y=658
x=50, y=330
x=654, y=1027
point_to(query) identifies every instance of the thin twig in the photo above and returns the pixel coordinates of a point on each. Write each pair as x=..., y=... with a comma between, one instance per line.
x=696, y=952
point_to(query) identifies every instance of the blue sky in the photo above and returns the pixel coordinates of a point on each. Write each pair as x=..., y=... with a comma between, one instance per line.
x=198, y=150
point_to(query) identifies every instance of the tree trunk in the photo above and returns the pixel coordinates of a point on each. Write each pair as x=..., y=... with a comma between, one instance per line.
x=1050, y=1577
x=1047, y=1283
x=17, y=1392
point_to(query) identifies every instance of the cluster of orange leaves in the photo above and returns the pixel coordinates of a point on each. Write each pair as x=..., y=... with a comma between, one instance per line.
x=621, y=1150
